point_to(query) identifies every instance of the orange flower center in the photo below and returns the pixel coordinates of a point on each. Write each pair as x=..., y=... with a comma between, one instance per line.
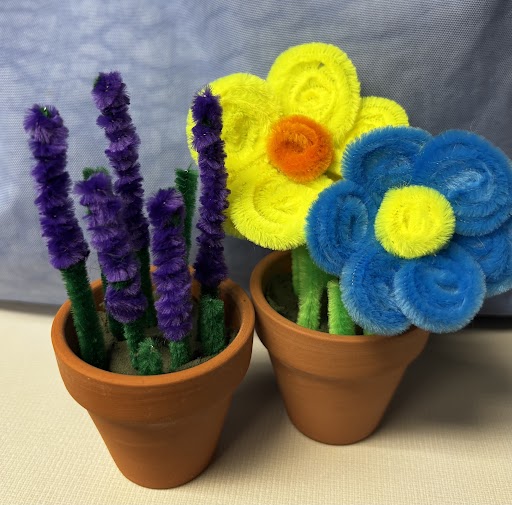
x=300, y=148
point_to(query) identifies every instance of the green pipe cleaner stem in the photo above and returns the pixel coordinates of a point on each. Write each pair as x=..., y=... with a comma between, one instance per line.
x=180, y=353
x=340, y=323
x=134, y=335
x=115, y=327
x=310, y=282
x=88, y=171
x=85, y=317
x=212, y=331
x=295, y=271
x=149, y=359
x=147, y=287
x=186, y=183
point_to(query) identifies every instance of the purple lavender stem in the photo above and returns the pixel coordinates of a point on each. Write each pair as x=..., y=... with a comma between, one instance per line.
x=172, y=278
x=109, y=93
x=109, y=236
x=48, y=143
x=210, y=265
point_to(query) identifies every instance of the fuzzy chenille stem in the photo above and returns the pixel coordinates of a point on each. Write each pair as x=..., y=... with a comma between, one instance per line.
x=212, y=329
x=147, y=286
x=111, y=98
x=309, y=282
x=115, y=327
x=186, y=183
x=67, y=248
x=109, y=236
x=172, y=277
x=340, y=322
x=85, y=316
x=210, y=266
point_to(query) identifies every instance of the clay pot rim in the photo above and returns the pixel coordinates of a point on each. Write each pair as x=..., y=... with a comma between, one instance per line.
x=259, y=300
x=322, y=354
x=71, y=360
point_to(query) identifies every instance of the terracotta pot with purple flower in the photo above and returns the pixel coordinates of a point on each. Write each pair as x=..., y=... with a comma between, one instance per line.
x=154, y=355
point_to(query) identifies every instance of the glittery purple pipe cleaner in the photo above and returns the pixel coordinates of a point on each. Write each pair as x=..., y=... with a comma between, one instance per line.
x=109, y=93
x=111, y=239
x=48, y=142
x=172, y=277
x=210, y=265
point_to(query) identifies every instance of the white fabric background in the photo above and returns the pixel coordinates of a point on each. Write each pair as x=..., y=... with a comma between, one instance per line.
x=448, y=62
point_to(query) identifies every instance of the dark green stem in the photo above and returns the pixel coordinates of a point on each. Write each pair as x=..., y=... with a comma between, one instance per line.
x=212, y=331
x=147, y=287
x=186, y=183
x=180, y=353
x=149, y=359
x=134, y=334
x=85, y=317
x=340, y=323
x=115, y=327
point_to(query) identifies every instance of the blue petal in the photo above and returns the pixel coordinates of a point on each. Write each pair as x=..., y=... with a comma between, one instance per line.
x=441, y=293
x=367, y=288
x=493, y=252
x=383, y=158
x=337, y=222
x=474, y=175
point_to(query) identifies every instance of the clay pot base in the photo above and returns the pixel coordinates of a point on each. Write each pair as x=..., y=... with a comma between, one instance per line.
x=161, y=430
x=335, y=388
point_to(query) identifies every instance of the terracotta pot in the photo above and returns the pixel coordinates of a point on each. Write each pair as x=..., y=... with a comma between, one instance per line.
x=161, y=430
x=335, y=388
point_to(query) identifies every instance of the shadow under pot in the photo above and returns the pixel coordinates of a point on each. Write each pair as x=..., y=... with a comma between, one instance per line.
x=161, y=430
x=335, y=388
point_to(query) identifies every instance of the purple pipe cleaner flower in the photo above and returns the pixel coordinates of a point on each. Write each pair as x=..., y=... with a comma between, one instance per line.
x=123, y=299
x=109, y=93
x=172, y=278
x=48, y=142
x=210, y=265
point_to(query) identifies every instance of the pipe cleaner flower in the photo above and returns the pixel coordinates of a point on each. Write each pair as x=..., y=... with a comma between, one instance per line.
x=110, y=237
x=419, y=231
x=48, y=143
x=284, y=138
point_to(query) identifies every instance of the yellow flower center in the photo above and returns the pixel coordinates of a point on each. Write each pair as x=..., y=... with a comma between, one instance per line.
x=300, y=148
x=414, y=221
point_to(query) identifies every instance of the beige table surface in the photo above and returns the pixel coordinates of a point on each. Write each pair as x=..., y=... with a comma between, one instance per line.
x=446, y=438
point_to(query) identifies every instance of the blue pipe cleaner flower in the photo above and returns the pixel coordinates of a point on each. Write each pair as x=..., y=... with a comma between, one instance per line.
x=419, y=231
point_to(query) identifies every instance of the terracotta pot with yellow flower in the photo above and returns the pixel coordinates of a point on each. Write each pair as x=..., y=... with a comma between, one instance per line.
x=410, y=241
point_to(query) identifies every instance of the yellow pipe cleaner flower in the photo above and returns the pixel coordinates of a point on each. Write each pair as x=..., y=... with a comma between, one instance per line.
x=285, y=136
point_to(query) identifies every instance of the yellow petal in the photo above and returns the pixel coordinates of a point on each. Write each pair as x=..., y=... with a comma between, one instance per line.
x=268, y=208
x=375, y=112
x=319, y=81
x=249, y=109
